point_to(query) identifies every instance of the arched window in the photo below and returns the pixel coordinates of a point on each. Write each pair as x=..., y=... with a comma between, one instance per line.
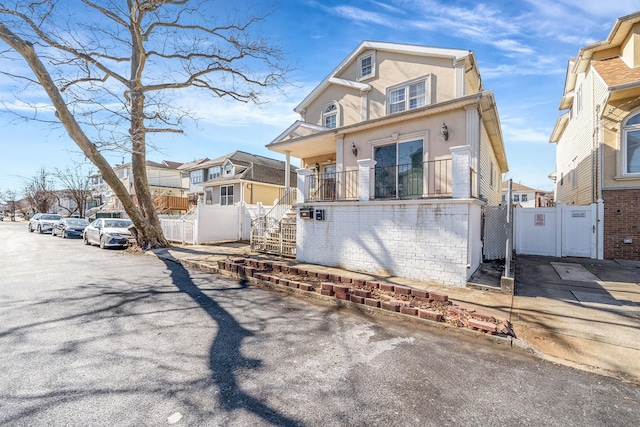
x=330, y=115
x=631, y=144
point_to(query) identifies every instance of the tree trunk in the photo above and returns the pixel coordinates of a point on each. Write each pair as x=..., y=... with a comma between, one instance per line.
x=150, y=234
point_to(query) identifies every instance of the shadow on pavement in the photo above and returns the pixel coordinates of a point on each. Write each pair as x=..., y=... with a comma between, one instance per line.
x=225, y=356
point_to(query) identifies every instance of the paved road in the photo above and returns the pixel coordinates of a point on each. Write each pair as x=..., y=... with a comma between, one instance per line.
x=92, y=337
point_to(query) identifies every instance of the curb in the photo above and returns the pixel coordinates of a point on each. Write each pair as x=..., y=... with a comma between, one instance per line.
x=212, y=267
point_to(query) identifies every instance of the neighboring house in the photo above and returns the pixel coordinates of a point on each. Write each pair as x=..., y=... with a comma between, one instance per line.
x=401, y=149
x=239, y=177
x=527, y=197
x=165, y=184
x=598, y=136
x=192, y=176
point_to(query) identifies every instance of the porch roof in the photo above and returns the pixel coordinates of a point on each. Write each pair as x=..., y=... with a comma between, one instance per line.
x=304, y=140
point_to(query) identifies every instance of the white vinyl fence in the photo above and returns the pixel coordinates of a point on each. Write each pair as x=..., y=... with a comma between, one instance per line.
x=213, y=223
x=560, y=231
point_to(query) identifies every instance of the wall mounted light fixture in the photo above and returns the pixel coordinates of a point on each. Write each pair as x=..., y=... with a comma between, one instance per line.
x=444, y=131
x=354, y=149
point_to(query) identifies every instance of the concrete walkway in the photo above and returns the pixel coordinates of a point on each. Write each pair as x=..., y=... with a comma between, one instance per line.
x=580, y=311
x=585, y=313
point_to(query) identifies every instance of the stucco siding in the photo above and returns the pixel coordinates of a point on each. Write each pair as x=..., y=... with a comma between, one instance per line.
x=391, y=69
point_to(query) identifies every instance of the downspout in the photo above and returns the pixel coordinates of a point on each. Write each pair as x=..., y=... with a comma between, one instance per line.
x=478, y=160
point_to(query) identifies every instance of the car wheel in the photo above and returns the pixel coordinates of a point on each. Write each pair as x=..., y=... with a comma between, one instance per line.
x=86, y=240
x=30, y=229
x=39, y=230
x=53, y=233
x=102, y=242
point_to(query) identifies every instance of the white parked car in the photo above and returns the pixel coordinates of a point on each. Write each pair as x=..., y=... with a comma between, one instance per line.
x=108, y=232
x=43, y=222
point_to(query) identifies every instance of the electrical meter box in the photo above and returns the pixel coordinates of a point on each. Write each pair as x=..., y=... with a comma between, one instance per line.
x=306, y=213
x=319, y=214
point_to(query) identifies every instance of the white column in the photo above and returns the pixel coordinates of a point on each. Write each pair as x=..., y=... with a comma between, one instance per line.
x=461, y=172
x=364, y=104
x=287, y=172
x=304, y=184
x=460, y=78
x=365, y=178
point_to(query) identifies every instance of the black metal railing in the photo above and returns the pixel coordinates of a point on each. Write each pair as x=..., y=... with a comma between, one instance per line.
x=414, y=180
x=334, y=186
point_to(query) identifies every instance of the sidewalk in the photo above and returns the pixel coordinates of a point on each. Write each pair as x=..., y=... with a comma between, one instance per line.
x=589, y=318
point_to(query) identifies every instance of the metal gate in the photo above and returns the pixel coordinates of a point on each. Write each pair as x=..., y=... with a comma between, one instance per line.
x=494, y=232
x=273, y=236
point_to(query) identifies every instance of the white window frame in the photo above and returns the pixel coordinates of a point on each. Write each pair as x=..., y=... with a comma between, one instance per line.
x=226, y=199
x=228, y=169
x=405, y=88
x=624, y=149
x=362, y=74
x=196, y=176
x=215, y=172
x=524, y=198
x=332, y=109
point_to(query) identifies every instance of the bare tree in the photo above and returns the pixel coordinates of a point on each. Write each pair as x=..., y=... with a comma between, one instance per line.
x=10, y=198
x=113, y=69
x=76, y=186
x=40, y=192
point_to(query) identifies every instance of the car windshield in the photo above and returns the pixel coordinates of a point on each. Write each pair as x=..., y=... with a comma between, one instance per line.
x=77, y=222
x=51, y=217
x=117, y=223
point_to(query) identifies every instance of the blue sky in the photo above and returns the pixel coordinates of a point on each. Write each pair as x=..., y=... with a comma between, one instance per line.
x=522, y=48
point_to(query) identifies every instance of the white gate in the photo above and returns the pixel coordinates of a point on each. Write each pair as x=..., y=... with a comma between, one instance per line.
x=559, y=231
x=579, y=231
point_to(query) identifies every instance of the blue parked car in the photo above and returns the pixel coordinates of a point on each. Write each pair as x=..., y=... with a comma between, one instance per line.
x=69, y=227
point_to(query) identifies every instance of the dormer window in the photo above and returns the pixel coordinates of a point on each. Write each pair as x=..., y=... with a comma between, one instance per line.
x=330, y=115
x=366, y=66
x=228, y=169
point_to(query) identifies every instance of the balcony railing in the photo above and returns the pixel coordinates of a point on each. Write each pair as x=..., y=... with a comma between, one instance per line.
x=334, y=186
x=414, y=180
x=168, y=203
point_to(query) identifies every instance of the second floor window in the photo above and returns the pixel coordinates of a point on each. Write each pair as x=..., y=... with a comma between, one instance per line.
x=330, y=116
x=215, y=172
x=197, y=176
x=631, y=144
x=226, y=195
x=407, y=97
x=525, y=198
x=516, y=197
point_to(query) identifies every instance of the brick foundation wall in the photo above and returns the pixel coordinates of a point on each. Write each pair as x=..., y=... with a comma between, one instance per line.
x=428, y=241
x=621, y=221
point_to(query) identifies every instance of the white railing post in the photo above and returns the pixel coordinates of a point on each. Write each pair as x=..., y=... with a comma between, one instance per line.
x=196, y=223
x=303, y=185
x=461, y=172
x=600, y=229
x=365, y=178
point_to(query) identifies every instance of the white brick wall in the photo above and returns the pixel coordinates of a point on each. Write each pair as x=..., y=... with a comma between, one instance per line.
x=419, y=239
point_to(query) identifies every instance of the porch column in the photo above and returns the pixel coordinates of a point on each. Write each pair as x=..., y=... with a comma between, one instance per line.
x=304, y=185
x=365, y=177
x=287, y=172
x=461, y=172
